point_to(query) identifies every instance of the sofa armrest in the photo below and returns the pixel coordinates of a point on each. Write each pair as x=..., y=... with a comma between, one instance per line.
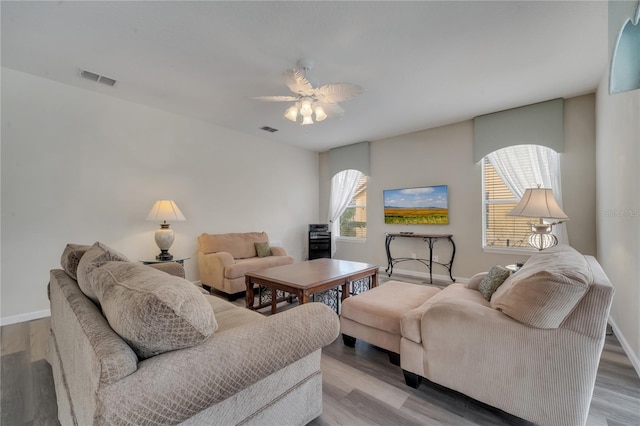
x=171, y=268
x=278, y=251
x=212, y=266
x=474, y=281
x=218, y=368
x=470, y=347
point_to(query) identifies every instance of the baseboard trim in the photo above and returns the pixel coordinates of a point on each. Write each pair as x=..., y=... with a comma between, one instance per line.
x=633, y=357
x=422, y=275
x=29, y=316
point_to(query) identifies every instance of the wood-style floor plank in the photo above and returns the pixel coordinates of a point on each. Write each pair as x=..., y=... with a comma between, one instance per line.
x=360, y=387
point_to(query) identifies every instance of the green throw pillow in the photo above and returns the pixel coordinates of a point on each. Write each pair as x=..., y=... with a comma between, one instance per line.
x=263, y=249
x=494, y=279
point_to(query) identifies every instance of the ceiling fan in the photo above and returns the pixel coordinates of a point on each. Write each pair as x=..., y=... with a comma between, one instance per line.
x=310, y=99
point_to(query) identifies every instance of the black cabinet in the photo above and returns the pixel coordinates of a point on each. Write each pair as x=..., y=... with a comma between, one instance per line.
x=319, y=241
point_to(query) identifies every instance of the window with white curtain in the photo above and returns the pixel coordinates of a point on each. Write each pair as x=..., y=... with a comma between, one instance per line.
x=347, y=206
x=506, y=173
x=353, y=221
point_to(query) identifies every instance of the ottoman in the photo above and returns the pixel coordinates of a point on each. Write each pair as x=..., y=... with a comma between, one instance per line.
x=375, y=315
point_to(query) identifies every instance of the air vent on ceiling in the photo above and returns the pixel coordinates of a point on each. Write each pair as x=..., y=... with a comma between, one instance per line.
x=97, y=78
x=268, y=129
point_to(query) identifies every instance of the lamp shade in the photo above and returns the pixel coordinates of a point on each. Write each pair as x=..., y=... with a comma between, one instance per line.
x=538, y=203
x=165, y=210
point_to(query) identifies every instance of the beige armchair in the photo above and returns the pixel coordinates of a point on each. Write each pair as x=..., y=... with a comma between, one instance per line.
x=224, y=259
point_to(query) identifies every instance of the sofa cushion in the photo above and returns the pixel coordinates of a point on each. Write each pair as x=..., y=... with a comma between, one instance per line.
x=242, y=266
x=152, y=311
x=494, y=279
x=240, y=244
x=71, y=258
x=262, y=249
x=383, y=307
x=96, y=256
x=546, y=289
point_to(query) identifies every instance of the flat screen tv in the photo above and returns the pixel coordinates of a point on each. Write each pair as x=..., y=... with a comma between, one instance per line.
x=426, y=205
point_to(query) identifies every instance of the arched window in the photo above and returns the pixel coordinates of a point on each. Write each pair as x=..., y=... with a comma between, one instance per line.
x=506, y=173
x=348, y=206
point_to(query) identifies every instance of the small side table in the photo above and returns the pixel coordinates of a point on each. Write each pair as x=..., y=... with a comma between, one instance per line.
x=179, y=260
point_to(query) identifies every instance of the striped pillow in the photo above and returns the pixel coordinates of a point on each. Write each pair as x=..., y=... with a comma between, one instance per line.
x=546, y=289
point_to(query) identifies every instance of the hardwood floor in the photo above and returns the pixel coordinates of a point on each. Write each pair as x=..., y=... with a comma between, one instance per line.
x=360, y=387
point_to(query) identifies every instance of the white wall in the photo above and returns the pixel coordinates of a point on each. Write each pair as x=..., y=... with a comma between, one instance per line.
x=79, y=166
x=444, y=156
x=618, y=209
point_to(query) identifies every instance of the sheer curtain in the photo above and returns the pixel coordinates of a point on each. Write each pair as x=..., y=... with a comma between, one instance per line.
x=343, y=186
x=527, y=166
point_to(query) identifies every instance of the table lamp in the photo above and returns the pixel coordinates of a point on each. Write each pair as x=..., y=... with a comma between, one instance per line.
x=540, y=203
x=163, y=211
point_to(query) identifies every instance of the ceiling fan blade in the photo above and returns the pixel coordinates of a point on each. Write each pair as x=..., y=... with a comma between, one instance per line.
x=333, y=109
x=275, y=98
x=297, y=82
x=338, y=92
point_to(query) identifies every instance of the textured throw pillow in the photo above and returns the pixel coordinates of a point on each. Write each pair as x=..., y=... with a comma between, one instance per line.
x=263, y=249
x=71, y=258
x=494, y=279
x=96, y=256
x=152, y=311
x=546, y=289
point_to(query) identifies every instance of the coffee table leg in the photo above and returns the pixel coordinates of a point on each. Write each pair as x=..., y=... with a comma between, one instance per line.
x=345, y=291
x=374, y=279
x=249, y=294
x=274, y=300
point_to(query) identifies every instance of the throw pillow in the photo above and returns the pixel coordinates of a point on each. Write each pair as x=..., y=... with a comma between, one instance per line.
x=96, y=256
x=494, y=279
x=546, y=289
x=152, y=311
x=71, y=258
x=263, y=249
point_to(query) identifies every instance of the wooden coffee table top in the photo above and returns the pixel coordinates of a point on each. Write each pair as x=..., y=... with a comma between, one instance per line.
x=312, y=273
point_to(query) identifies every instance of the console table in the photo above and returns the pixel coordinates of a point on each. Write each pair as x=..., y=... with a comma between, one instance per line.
x=430, y=239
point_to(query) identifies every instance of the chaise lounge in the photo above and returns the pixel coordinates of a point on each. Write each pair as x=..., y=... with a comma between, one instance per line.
x=532, y=349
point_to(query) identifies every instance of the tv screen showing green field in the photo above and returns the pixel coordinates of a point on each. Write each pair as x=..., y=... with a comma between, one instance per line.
x=426, y=205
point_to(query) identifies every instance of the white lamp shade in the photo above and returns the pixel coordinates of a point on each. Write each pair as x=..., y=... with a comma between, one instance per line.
x=165, y=211
x=320, y=114
x=291, y=113
x=538, y=203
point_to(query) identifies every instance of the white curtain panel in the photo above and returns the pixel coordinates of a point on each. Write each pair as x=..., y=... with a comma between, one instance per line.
x=343, y=186
x=527, y=166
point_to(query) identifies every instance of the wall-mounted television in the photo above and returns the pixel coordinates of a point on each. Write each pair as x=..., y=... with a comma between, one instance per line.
x=426, y=205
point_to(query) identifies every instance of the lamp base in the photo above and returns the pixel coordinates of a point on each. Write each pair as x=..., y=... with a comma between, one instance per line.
x=164, y=255
x=542, y=241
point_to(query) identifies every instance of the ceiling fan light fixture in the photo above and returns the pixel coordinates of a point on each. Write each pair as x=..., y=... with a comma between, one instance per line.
x=320, y=114
x=305, y=109
x=306, y=120
x=291, y=113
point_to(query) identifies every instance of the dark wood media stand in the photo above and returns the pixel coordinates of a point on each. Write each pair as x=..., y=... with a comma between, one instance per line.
x=430, y=239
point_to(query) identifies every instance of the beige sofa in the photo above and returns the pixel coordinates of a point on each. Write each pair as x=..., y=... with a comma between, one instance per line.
x=224, y=259
x=532, y=350
x=133, y=345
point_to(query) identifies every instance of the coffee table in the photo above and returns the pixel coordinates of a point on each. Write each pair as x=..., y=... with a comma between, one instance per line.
x=306, y=278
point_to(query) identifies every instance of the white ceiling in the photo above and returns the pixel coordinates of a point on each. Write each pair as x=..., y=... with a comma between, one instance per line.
x=423, y=64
